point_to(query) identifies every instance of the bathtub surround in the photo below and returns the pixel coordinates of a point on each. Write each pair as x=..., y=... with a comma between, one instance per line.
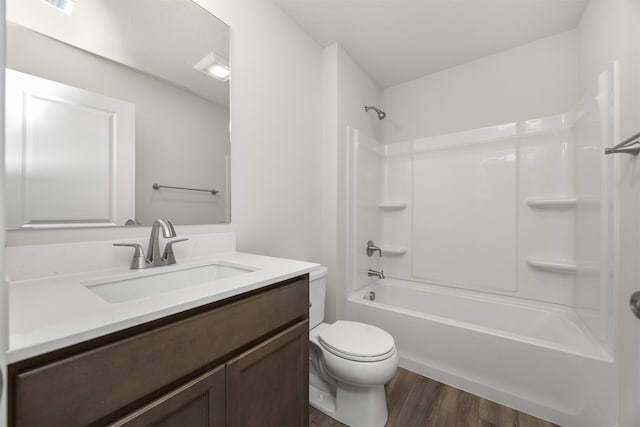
x=607, y=33
x=347, y=88
x=520, y=210
x=596, y=126
x=467, y=209
x=498, y=201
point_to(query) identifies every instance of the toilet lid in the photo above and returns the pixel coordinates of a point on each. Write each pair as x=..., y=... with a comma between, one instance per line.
x=357, y=341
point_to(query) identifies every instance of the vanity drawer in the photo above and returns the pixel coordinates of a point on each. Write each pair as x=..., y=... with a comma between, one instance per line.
x=94, y=384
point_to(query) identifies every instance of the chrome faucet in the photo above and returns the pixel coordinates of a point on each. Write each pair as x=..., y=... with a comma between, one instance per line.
x=371, y=249
x=153, y=250
x=374, y=273
x=153, y=258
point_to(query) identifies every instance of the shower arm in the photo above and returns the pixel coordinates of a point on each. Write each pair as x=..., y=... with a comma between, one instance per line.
x=381, y=114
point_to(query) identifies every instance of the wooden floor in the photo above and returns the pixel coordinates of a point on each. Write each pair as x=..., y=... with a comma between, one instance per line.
x=414, y=400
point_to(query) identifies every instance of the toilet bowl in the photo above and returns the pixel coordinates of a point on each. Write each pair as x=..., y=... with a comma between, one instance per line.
x=349, y=364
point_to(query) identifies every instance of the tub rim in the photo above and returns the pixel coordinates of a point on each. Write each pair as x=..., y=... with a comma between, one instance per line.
x=599, y=352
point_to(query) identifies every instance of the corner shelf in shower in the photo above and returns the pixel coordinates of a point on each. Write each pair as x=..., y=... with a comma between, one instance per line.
x=393, y=250
x=551, y=264
x=551, y=203
x=392, y=205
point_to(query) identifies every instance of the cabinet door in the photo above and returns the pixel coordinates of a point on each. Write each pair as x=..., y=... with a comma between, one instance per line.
x=269, y=384
x=198, y=403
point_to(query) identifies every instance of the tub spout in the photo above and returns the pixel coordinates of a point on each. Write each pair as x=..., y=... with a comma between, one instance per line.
x=374, y=273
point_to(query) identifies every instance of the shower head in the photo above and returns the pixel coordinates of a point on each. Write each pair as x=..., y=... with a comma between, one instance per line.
x=381, y=114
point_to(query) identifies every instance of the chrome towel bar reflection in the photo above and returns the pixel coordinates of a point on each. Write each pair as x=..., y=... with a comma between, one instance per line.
x=158, y=186
x=625, y=146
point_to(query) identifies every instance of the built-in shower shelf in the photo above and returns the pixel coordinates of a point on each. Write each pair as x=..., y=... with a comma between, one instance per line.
x=392, y=206
x=551, y=203
x=551, y=264
x=393, y=250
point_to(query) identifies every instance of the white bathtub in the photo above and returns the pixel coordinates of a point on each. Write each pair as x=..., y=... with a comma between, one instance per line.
x=536, y=357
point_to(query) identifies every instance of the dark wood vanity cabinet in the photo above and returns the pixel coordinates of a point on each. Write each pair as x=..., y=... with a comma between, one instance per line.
x=200, y=402
x=238, y=362
x=269, y=384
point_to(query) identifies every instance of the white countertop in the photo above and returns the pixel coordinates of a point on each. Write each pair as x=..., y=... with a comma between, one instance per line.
x=49, y=313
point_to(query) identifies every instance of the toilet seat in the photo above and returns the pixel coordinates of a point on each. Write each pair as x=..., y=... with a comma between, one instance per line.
x=357, y=341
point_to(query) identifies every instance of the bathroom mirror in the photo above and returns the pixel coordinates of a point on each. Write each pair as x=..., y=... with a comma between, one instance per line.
x=148, y=59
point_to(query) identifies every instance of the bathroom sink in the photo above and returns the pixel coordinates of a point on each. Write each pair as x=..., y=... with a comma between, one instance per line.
x=145, y=283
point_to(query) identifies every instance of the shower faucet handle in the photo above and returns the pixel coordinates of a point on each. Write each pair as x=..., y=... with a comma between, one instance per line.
x=371, y=249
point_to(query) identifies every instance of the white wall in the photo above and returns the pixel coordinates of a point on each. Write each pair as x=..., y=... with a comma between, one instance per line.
x=534, y=80
x=347, y=90
x=609, y=31
x=276, y=130
x=330, y=184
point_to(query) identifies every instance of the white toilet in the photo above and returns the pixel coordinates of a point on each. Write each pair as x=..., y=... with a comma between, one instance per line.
x=349, y=364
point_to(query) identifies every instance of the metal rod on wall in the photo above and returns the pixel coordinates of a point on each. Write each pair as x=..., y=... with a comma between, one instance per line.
x=625, y=146
x=158, y=186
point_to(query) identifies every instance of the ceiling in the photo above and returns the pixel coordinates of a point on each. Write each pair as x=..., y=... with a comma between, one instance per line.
x=400, y=40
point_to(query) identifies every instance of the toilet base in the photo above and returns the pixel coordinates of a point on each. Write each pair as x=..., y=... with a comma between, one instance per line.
x=351, y=405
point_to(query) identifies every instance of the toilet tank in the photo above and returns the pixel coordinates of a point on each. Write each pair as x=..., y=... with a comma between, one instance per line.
x=317, y=290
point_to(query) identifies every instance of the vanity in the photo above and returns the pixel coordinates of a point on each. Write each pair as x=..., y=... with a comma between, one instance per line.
x=228, y=351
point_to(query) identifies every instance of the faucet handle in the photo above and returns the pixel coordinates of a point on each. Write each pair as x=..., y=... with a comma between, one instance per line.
x=138, y=261
x=168, y=256
x=371, y=249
